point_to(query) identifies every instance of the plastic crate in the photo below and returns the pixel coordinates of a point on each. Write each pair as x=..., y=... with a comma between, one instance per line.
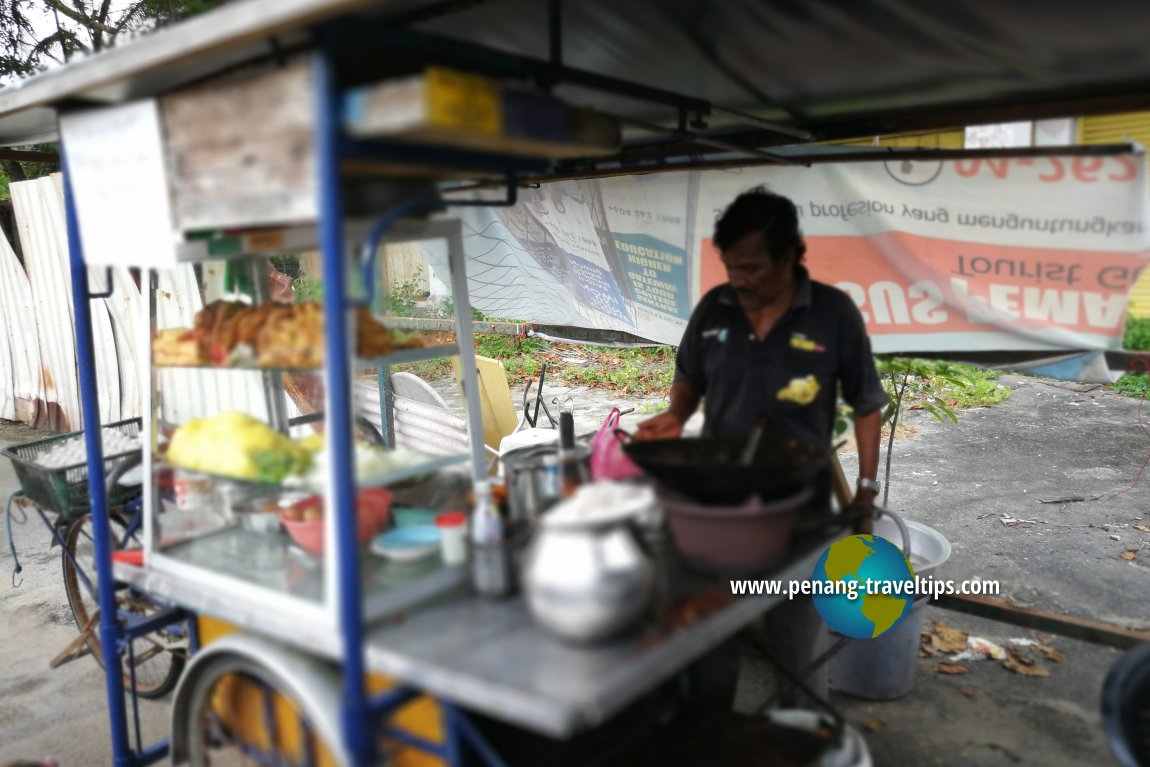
x=64, y=489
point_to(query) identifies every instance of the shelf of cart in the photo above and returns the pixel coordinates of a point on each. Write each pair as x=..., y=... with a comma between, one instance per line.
x=398, y=357
x=207, y=483
x=406, y=356
x=241, y=368
x=266, y=559
x=415, y=470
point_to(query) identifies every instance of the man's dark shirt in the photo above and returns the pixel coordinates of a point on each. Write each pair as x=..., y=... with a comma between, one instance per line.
x=791, y=376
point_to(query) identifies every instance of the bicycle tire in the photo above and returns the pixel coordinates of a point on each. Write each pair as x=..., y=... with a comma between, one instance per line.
x=220, y=729
x=153, y=679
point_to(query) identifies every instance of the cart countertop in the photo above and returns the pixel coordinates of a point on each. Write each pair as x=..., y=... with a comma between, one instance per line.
x=491, y=657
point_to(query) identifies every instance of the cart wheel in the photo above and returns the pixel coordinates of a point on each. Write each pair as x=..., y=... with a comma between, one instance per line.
x=159, y=657
x=236, y=716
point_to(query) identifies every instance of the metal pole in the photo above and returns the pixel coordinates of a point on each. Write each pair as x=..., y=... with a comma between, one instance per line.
x=338, y=430
x=89, y=402
x=468, y=373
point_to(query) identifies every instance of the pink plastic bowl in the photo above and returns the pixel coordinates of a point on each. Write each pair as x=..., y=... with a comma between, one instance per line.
x=733, y=540
x=374, y=512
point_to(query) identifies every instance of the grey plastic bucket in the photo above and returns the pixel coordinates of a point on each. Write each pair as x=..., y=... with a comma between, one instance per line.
x=885, y=668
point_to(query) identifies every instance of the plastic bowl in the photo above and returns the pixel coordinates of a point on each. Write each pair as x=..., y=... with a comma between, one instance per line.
x=733, y=540
x=374, y=507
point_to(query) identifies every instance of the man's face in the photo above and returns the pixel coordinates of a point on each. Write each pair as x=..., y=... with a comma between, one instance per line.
x=755, y=277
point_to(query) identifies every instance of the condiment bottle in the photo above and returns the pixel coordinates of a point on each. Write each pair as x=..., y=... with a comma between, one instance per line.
x=490, y=554
x=571, y=473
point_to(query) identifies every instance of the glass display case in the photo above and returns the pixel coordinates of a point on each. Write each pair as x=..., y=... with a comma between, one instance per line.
x=238, y=510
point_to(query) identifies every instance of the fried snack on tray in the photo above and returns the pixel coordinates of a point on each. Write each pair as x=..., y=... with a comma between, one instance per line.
x=176, y=346
x=375, y=340
x=292, y=337
x=281, y=335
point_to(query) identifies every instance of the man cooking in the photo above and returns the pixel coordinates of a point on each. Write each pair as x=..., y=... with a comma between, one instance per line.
x=773, y=344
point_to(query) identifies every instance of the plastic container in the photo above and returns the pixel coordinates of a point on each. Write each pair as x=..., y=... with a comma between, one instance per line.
x=192, y=490
x=733, y=540
x=65, y=490
x=885, y=668
x=411, y=517
x=852, y=751
x=374, y=506
x=453, y=536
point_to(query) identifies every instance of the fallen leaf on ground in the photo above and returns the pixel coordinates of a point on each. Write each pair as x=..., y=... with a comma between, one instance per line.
x=1143, y=528
x=1018, y=657
x=1006, y=752
x=950, y=668
x=946, y=639
x=998, y=747
x=968, y=692
x=873, y=725
x=1129, y=554
x=1050, y=653
x=1025, y=669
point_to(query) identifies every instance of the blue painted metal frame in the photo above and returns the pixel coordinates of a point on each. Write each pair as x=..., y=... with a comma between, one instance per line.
x=122, y=755
x=355, y=714
x=358, y=712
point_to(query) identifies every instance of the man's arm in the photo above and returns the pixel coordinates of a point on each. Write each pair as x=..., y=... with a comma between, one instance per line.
x=868, y=433
x=669, y=425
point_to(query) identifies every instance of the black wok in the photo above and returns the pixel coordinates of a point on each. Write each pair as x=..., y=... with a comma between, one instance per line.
x=709, y=469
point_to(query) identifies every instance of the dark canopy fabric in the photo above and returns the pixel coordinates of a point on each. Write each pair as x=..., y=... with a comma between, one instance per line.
x=847, y=68
x=837, y=69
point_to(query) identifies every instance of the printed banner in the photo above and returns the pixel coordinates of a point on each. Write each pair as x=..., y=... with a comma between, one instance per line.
x=977, y=254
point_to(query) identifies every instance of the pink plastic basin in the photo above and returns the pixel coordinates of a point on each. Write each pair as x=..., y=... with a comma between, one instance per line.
x=733, y=540
x=374, y=507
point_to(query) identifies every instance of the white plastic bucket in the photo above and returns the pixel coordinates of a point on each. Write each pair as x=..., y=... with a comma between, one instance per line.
x=885, y=668
x=851, y=752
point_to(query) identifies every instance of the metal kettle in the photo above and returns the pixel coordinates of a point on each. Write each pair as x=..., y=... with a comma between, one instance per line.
x=585, y=576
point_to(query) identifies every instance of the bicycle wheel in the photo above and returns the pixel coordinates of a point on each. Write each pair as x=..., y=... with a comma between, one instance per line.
x=159, y=657
x=238, y=717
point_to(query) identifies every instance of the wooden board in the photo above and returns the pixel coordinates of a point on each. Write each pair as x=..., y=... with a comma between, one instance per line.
x=241, y=152
x=499, y=417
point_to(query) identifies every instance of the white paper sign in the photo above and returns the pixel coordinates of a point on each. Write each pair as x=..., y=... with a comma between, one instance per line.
x=115, y=163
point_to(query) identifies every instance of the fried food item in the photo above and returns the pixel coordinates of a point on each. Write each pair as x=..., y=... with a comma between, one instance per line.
x=291, y=337
x=176, y=346
x=282, y=335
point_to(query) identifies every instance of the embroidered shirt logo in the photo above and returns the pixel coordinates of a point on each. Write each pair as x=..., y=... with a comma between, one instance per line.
x=719, y=334
x=800, y=341
x=801, y=391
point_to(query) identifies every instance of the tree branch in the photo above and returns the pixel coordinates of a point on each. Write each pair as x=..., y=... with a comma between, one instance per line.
x=79, y=18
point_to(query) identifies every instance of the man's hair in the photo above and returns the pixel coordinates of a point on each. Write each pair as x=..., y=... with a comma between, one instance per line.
x=760, y=210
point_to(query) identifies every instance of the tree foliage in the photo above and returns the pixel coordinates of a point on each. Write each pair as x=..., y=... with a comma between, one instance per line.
x=38, y=34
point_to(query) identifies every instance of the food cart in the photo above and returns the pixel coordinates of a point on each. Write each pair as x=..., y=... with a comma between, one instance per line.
x=336, y=658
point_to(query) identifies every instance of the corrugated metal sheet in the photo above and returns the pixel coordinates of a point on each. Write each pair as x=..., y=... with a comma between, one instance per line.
x=125, y=309
x=46, y=264
x=38, y=382
x=1113, y=129
x=21, y=386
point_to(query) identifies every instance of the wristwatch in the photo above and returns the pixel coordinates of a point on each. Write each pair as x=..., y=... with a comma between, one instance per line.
x=870, y=484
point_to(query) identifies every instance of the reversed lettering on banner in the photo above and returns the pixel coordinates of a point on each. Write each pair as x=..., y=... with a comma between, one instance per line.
x=971, y=254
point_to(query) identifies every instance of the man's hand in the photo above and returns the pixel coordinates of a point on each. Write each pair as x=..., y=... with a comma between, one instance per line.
x=663, y=426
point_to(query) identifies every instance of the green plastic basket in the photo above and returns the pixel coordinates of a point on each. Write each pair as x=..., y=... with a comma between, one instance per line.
x=64, y=489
